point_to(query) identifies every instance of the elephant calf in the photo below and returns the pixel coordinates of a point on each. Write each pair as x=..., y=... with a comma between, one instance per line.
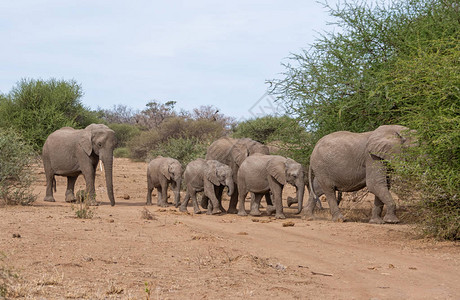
x=208, y=176
x=162, y=171
x=262, y=174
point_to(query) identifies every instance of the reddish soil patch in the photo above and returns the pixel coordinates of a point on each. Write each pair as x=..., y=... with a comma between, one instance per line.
x=121, y=254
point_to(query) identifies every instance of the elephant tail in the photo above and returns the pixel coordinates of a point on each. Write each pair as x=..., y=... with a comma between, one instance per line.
x=53, y=184
x=310, y=181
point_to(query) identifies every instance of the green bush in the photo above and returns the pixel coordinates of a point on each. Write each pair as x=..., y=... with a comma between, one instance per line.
x=16, y=176
x=140, y=145
x=282, y=132
x=36, y=108
x=124, y=133
x=183, y=149
x=122, y=152
x=394, y=63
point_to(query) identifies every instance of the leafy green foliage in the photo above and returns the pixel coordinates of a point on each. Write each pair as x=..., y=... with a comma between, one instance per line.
x=36, y=108
x=390, y=63
x=16, y=176
x=183, y=149
x=124, y=132
x=282, y=133
x=177, y=130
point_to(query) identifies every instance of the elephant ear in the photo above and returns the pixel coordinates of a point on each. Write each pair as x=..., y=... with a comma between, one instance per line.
x=85, y=142
x=164, y=169
x=211, y=173
x=277, y=169
x=239, y=153
x=386, y=141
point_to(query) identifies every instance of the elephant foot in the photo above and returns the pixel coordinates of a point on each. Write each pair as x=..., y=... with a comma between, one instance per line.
x=197, y=212
x=232, y=210
x=49, y=199
x=216, y=211
x=391, y=219
x=70, y=198
x=148, y=203
x=255, y=212
x=183, y=209
x=222, y=209
x=270, y=210
x=163, y=204
x=280, y=216
x=376, y=221
x=177, y=204
x=338, y=218
x=308, y=216
x=291, y=200
x=242, y=213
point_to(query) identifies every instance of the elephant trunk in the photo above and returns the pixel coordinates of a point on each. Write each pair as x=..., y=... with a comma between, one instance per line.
x=300, y=189
x=108, y=166
x=231, y=186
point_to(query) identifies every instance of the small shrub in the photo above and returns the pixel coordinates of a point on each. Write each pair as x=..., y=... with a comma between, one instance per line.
x=140, y=145
x=183, y=149
x=16, y=176
x=82, y=209
x=124, y=133
x=122, y=152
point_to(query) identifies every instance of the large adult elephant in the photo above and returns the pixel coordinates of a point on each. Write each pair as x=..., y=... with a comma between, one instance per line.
x=232, y=152
x=70, y=152
x=161, y=172
x=207, y=176
x=347, y=162
x=262, y=174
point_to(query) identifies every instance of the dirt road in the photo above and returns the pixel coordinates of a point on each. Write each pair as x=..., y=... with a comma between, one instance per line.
x=120, y=254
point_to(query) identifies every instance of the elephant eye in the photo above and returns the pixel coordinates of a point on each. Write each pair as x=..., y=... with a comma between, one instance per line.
x=99, y=144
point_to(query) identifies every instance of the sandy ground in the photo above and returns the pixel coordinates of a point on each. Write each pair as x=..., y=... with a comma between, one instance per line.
x=120, y=254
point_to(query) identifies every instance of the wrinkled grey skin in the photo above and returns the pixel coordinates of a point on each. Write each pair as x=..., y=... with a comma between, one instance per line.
x=262, y=174
x=206, y=175
x=347, y=162
x=70, y=152
x=232, y=152
x=161, y=172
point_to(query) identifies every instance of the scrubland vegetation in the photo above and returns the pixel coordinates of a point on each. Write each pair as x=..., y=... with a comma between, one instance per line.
x=391, y=63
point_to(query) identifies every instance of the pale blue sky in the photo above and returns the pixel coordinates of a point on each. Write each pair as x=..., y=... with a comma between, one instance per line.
x=130, y=52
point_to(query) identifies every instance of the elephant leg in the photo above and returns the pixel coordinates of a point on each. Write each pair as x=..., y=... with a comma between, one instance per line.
x=196, y=208
x=90, y=175
x=163, y=191
x=69, y=193
x=270, y=208
x=277, y=191
x=219, y=190
x=234, y=199
x=377, y=183
x=50, y=181
x=332, y=201
x=377, y=212
x=210, y=192
x=255, y=205
x=159, y=196
x=309, y=208
x=241, y=198
x=183, y=206
x=149, y=193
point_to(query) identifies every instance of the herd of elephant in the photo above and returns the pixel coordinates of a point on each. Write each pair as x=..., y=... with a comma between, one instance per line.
x=341, y=161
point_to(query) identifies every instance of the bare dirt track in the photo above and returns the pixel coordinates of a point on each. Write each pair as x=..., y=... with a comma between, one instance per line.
x=119, y=254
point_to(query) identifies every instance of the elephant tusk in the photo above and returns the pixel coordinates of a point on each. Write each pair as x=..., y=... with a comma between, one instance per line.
x=100, y=165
